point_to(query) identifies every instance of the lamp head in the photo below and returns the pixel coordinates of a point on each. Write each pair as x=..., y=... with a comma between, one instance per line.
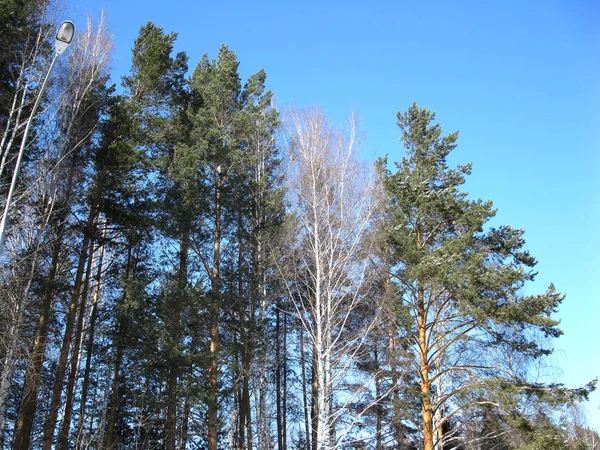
x=64, y=36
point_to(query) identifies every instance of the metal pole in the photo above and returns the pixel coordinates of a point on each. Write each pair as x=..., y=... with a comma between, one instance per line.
x=20, y=156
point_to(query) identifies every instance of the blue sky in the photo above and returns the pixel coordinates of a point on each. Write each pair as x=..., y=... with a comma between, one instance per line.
x=520, y=80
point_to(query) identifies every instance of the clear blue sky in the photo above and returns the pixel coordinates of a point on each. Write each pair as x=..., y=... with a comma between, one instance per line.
x=520, y=80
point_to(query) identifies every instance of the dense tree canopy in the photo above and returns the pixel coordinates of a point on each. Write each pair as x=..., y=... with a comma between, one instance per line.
x=187, y=267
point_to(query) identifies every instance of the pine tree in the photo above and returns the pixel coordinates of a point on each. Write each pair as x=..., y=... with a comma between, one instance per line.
x=232, y=147
x=135, y=137
x=462, y=281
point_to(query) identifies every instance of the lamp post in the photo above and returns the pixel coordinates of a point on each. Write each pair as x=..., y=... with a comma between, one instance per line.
x=64, y=36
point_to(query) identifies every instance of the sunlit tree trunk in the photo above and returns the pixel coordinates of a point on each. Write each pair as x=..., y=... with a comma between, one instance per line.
x=314, y=402
x=214, y=313
x=425, y=385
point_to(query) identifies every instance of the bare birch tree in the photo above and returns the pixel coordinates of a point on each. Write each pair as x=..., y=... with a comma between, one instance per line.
x=61, y=169
x=331, y=196
x=27, y=58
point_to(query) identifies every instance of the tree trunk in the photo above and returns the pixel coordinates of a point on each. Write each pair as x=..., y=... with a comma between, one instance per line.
x=393, y=361
x=281, y=376
x=284, y=400
x=214, y=310
x=90, y=346
x=171, y=424
x=378, y=406
x=174, y=369
x=245, y=344
x=66, y=344
x=278, y=377
x=26, y=415
x=122, y=330
x=438, y=384
x=395, y=398
x=213, y=384
x=239, y=440
x=264, y=438
x=307, y=435
x=109, y=437
x=184, y=422
x=426, y=411
x=213, y=379
x=314, y=401
x=328, y=426
x=63, y=437
x=248, y=412
x=102, y=425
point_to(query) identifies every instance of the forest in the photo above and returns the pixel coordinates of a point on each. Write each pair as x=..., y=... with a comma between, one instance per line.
x=187, y=266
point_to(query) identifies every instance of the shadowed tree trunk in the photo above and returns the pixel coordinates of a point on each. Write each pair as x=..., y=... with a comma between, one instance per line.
x=278, y=382
x=120, y=343
x=307, y=425
x=68, y=334
x=184, y=421
x=90, y=344
x=63, y=437
x=174, y=369
x=26, y=415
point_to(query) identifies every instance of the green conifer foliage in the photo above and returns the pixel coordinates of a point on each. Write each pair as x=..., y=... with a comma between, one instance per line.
x=474, y=330
x=230, y=165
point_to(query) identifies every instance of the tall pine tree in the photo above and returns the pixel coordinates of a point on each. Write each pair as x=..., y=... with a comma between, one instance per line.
x=462, y=281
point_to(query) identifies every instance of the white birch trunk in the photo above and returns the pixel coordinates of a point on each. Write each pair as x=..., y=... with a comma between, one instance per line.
x=330, y=193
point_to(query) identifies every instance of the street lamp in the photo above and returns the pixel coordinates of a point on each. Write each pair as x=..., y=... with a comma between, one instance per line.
x=64, y=36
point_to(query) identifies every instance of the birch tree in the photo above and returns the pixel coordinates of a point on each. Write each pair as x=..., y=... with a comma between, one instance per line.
x=27, y=35
x=80, y=89
x=24, y=39
x=330, y=193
